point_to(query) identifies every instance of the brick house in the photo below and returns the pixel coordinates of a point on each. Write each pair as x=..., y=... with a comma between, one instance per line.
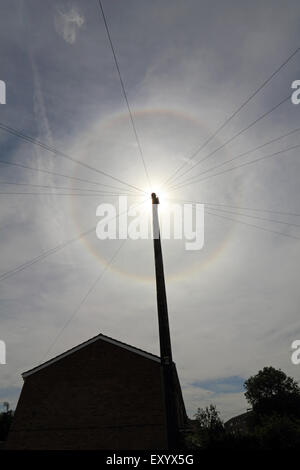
x=101, y=394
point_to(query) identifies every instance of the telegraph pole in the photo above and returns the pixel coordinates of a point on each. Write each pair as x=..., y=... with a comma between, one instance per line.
x=167, y=366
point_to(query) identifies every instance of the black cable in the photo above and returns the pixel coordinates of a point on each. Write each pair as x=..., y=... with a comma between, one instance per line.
x=254, y=217
x=97, y=191
x=255, y=226
x=235, y=113
x=259, y=147
x=238, y=207
x=49, y=252
x=67, y=194
x=235, y=136
x=91, y=288
x=257, y=217
x=239, y=166
x=124, y=91
x=40, y=170
x=43, y=255
x=34, y=141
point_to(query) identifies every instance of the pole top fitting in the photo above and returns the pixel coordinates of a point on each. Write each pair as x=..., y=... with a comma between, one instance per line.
x=155, y=199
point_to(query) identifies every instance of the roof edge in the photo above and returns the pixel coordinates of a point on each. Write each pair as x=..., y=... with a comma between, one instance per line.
x=102, y=337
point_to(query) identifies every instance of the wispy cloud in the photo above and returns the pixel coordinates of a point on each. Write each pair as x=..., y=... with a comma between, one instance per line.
x=233, y=384
x=67, y=23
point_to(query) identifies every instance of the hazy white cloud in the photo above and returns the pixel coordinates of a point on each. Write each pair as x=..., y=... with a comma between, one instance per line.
x=67, y=23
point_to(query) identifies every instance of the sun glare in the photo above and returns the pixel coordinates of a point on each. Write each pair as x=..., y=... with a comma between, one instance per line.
x=162, y=196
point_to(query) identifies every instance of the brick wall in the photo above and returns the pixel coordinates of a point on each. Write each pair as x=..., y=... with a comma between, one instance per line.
x=99, y=397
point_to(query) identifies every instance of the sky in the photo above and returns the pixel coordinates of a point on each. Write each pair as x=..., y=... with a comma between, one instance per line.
x=186, y=67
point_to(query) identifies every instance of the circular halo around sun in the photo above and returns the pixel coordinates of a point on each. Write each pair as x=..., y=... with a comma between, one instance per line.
x=163, y=154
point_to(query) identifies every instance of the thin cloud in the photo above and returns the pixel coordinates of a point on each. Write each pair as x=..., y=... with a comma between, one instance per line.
x=233, y=384
x=68, y=23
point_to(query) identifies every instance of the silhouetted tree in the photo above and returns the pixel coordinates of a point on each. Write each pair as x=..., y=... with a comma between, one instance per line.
x=6, y=406
x=273, y=423
x=5, y=423
x=278, y=432
x=208, y=427
x=272, y=391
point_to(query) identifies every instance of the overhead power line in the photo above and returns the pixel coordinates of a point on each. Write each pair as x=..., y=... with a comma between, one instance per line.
x=51, y=251
x=97, y=191
x=254, y=217
x=66, y=194
x=259, y=147
x=124, y=91
x=27, y=138
x=43, y=255
x=53, y=173
x=257, y=217
x=290, y=214
x=253, y=225
x=234, y=113
x=264, y=157
x=83, y=300
x=236, y=135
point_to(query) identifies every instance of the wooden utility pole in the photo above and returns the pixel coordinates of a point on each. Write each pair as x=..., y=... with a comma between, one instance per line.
x=168, y=373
